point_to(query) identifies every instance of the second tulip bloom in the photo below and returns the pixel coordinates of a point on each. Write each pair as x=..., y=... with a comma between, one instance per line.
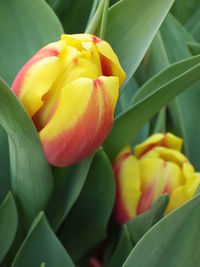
x=157, y=167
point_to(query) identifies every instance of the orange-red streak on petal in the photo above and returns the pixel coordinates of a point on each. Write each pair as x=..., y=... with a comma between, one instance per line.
x=86, y=135
x=146, y=199
x=43, y=53
x=151, y=146
x=106, y=66
x=95, y=39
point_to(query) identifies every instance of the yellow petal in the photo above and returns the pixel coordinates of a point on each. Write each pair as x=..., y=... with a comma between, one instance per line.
x=109, y=59
x=73, y=101
x=129, y=184
x=107, y=52
x=39, y=79
x=167, y=154
x=160, y=139
x=183, y=193
x=38, y=75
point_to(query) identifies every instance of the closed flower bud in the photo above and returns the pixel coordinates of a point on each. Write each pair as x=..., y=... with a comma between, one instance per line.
x=70, y=89
x=157, y=167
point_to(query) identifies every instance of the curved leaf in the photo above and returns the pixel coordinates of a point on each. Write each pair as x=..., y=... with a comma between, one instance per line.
x=134, y=229
x=25, y=26
x=68, y=184
x=161, y=88
x=87, y=221
x=172, y=242
x=194, y=48
x=176, y=38
x=41, y=245
x=31, y=178
x=131, y=43
x=4, y=165
x=8, y=224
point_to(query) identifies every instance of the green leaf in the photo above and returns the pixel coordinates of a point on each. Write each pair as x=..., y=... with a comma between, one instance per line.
x=172, y=242
x=97, y=24
x=31, y=177
x=122, y=250
x=184, y=9
x=125, y=98
x=74, y=15
x=87, y=220
x=68, y=184
x=93, y=11
x=134, y=229
x=193, y=24
x=194, y=48
x=41, y=245
x=139, y=225
x=156, y=92
x=131, y=43
x=8, y=224
x=25, y=27
x=175, y=39
x=4, y=165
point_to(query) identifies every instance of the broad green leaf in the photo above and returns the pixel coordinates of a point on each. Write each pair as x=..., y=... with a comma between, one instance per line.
x=184, y=9
x=42, y=245
x=134, y=229
x=193, y=24
x=8, y=224
x=59, y=5
x=68, y=184
x=157, y=60
x=87, y=221
x=122, y=250
x=93, y=11
x=175, y=39
x=132, y=42
x=125, y=98
x=43, y=265
x=75, y=15
x=31, y=178
x=161, y=89
x=25, y=26
x=4, y=165
x=194, y=48
x=139, y=225
x=173, y=32
x=172, y=242
x=97, y=24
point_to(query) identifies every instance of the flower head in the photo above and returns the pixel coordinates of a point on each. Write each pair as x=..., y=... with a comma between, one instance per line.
x=70, y=89
x=157, y=167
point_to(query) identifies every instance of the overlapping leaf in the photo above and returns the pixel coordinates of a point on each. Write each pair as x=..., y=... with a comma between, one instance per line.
x=41, y=245
x=8, y=224
x=25, y=27
x=31, y=178
x=68, y=184
x=131, y=43
x=172, y=242
x=157, y=92
x=87, y=221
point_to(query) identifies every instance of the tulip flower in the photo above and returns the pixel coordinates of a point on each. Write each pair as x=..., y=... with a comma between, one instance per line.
x=70, y=89
x=157, y=167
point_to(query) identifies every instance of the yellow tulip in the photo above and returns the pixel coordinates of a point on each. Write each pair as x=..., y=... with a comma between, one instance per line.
x=70, y=89
x=157, y=167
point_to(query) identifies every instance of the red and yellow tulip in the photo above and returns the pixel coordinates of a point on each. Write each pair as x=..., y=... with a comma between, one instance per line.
x=70, y=89
x=157, y=167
